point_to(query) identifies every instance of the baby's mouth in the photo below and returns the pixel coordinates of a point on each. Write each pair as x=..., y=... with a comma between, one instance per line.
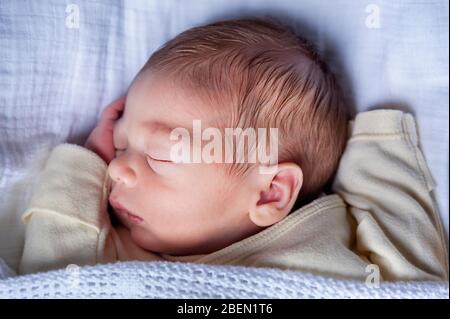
x=122, y=211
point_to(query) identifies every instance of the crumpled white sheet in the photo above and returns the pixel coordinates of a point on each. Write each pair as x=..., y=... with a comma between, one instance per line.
x=55, y=80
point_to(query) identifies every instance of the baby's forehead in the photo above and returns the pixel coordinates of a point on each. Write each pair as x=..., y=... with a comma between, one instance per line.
x=163, y=107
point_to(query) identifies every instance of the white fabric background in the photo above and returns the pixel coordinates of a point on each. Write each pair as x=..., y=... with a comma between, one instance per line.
x=54, y=81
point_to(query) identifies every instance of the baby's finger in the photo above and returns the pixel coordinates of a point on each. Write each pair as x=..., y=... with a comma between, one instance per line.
x=113, y=111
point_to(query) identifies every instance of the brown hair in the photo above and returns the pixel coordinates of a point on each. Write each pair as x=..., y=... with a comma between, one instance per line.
x=271, y=78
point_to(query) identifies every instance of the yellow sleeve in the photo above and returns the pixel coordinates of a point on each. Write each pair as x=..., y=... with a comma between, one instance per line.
x=66, y=219
x=385, y=181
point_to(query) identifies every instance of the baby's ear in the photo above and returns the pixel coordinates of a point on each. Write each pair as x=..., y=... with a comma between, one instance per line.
x=277, y=193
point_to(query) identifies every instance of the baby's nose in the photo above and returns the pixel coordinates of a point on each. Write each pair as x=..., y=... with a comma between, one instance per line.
x=120, y=172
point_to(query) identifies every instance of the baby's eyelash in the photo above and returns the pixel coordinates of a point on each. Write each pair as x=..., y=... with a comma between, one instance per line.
x=119, y=151
x=150, y=161
x=157, y=160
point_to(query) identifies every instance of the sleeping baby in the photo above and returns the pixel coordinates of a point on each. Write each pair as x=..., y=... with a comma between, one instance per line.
x=341, y=197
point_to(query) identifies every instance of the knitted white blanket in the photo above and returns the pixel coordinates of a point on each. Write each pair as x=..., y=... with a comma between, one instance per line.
x=55, y=78
x=183, y=280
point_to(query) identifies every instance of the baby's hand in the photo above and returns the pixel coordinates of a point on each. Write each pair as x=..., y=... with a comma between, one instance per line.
x=100, y=140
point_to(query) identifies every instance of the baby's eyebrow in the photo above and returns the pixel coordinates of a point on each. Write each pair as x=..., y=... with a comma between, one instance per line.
x=159, y=130
x=159, y=127
x=155, y=131
x=158, y=138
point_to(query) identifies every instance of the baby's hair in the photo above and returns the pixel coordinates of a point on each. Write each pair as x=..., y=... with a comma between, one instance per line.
x=260, y=74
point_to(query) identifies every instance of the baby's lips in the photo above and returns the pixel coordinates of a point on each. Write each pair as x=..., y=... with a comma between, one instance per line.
x=134, y=218
x=111, y=200
x=124, y=212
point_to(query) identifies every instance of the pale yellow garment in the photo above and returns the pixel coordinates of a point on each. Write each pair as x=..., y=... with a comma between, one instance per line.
x=382, y=213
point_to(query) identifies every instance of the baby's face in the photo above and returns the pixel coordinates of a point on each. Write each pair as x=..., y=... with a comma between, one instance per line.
x=172, y=208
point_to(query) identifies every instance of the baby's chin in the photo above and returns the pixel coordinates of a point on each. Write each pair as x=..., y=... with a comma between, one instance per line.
x=146, y=240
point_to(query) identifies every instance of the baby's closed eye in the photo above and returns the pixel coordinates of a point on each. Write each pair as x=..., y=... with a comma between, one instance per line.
x=155, y=162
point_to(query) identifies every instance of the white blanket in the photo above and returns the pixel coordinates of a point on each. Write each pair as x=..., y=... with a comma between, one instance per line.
x=57, y=75
x=182, y=280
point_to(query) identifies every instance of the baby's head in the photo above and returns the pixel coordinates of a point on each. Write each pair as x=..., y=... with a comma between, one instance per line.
x=232, y=74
